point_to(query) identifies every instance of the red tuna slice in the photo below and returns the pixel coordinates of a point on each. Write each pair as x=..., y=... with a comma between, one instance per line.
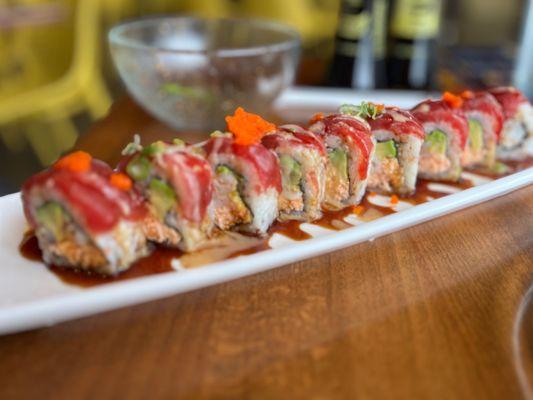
x=399, y=122
x=509, y=98
x=192, y=179
x=438, y=111
x=96, y=204
x=484, y=103
x=293, y=135
x=353, y=131
x=264, y=172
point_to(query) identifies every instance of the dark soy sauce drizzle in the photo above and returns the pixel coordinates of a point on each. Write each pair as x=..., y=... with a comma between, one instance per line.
x=369, y=206
x=424, y=193
x=335, y=219
x=290, y=229
x=29, y=247
x=518, y=165
x=462, y=184
x=159, y=260
x=251, y=250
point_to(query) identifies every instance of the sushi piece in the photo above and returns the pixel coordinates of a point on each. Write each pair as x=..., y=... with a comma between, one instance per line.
x=446, y=129
x=247, y=179
x=350, y=147
x=516, y=139
x=85, y=216
x=302, y=159
x=485, y=119
x=399, y=137
x=177, y=182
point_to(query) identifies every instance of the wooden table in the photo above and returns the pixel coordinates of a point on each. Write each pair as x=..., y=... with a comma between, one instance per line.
x=438, y=311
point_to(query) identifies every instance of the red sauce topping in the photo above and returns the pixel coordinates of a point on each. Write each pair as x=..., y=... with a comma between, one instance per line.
x=484, y=103
x=352, y=131
x=90, y=197
x=510, y=99
x=293, y=135
x=264, y=173
x=397, y=121
x=439, y=112
x=192, y=179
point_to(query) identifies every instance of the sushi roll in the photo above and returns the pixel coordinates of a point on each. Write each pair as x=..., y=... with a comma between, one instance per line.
x=85, y=216
x=302, y=159
x=177, y=182
x=446, y=130
x=350, y=147
x=516, y=139
x=485, y=119
x=246, y=175
x=399, y=137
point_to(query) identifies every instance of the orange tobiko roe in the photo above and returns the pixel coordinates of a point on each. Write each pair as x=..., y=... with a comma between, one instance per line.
x=248, y=128
x=467, y=94
x=120, y=181
x=78, y=161
x=358, y=210
x=452, y=100
x=315, y=118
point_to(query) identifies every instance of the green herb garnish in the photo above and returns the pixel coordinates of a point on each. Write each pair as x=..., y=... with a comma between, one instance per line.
x=364, y=110
x=133, y=147
x=154, y=148
x=216, y=134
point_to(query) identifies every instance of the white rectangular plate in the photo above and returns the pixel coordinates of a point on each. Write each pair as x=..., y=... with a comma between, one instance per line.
x=31, y=296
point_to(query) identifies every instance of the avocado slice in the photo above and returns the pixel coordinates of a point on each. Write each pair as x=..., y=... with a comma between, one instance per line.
x=161, y=196
x=223, y=169
x=53, y=217
x=437, y=141
x=339, y=159
x=475, y=135
x=386, y=149
x=500, y=168
x=139, y=168
x=154, y=148
x=291, y=171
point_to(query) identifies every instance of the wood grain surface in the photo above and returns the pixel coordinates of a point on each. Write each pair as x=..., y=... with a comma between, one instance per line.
x=440, y=310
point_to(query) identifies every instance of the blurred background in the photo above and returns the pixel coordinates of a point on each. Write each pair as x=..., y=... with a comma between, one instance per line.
x=56, y=75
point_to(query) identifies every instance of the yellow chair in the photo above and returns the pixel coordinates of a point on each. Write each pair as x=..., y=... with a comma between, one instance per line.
x=82, y=88
x=37, y=47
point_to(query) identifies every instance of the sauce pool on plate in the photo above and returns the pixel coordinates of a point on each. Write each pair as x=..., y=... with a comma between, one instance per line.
x=160, y=260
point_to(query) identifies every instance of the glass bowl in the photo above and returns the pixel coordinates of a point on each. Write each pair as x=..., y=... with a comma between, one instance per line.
x=192, y=72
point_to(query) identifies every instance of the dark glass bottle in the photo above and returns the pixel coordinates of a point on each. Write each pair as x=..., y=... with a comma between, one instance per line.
x=359, y=59
x=413, y=30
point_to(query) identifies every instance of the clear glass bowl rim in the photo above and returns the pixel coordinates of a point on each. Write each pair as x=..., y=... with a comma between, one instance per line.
x=116, y=37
